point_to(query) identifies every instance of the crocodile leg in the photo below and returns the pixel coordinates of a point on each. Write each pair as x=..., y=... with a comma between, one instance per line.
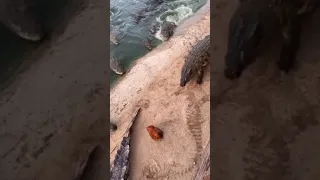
x=291, y=34
x=291, y=41
x=200, y=75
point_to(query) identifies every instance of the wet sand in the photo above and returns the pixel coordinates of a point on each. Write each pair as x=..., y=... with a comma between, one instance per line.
x=266, y=124
x=54, y=111
x=182, y=113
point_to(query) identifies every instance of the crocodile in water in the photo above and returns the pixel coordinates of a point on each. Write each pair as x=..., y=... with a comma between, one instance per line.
x=148, y=43
x=146, y=12
x=167, y=29
x=116, y=67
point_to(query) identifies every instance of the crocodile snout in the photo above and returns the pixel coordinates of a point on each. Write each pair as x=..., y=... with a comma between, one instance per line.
x=184, y=80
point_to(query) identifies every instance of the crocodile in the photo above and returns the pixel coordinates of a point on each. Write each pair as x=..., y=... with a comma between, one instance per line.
x=120, y=168
x=254, y=24
x=147, y=43
x=17, y=16
x=166, y=29
x=116, y=66
x=113, y=39
x=154, y=28
x=116, y=34
x=196, y=61
x=152, y=5
x=140, y=15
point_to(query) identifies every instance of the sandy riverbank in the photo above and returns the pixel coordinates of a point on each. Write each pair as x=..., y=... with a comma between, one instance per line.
x=153, y=84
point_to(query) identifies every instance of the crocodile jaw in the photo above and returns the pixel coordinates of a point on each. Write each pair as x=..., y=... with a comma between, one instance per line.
x=118, y=72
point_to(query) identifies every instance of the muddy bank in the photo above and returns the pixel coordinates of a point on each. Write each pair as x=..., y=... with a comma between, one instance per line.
x=266, y=124
x=182, y=113
x=54, y=111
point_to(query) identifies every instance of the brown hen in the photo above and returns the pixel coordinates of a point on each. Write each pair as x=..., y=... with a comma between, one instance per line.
x=155, y=133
